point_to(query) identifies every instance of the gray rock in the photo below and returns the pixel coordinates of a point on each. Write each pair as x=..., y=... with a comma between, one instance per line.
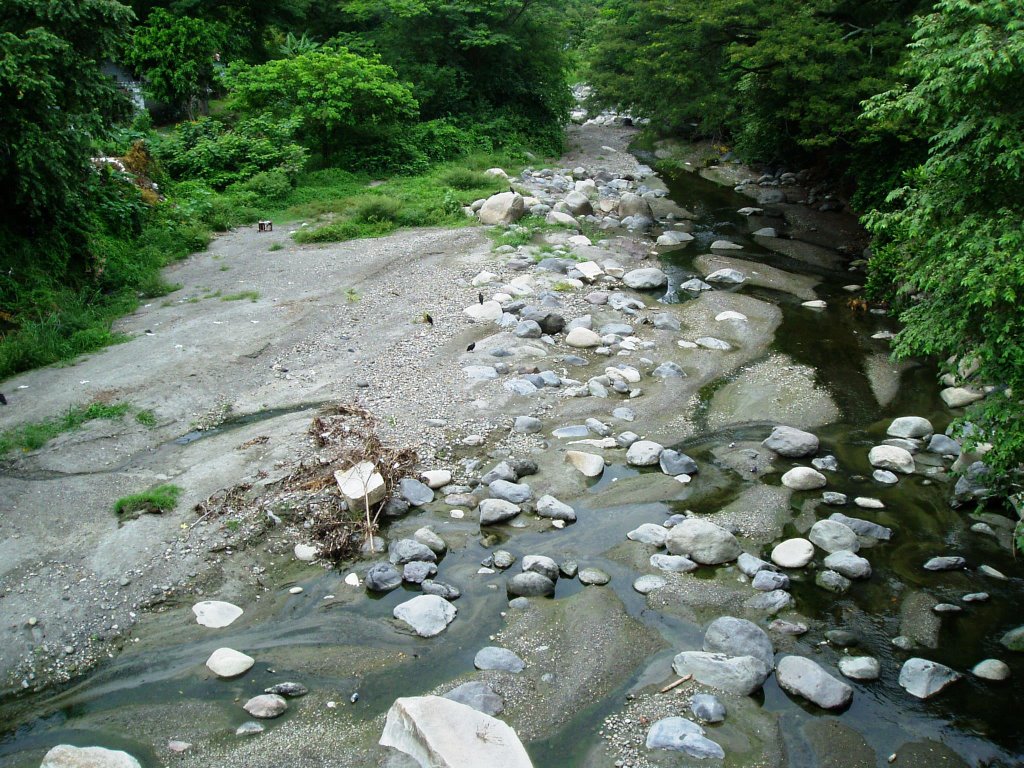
x=516, y=493
x=671, y=733
x=673, y=563
x=833, y=536
x=250, y=728
x=266, y=706
x=770, y=602
x=395, y=507
x=733, y=674
x=833, y=499
x=707, y=708
x=943, y=445
x=643, y=453
x=668, y=370
x=1014, y=639
x=593, y=577
x=703, y=542
x=647, y=584
x=860, y=667
x=626, y=439
x=788, y=627
x=991, y=669
x=803, y=677
x=885, y=477
x=527, y=329
x=910, y=426
x=541, y=564
x=568, y=569
x=825, y=464
x=674, y=463
x=599, y=428
x=923, y=678
x=842, y=638
x=416, y=571
x=739, y=637
x=766, y=581
x=428, y=538
x=750, y=565
x=694, y=285
x=710, y=342
x=729, y=276
x=791, y=442
x=409, y=550
x=624, y=414
x=864, y=528
x=501, y=659
x=503, y=559
x=667, y=322
x=616, y=329
x=441, y=589
x=523, y=387
x=526, y=425
x=649, y=533
x=550, y=507
x=494, y=511
x=289, y=690
x=67, y=756
x=946, y=563
x=504, y=208
x=892, y=458
x=832, y=581
x=530, y=584
x=848, y=564
x=478, y=695
x=803, y=479
x=646, y=278
x=975, y=597
x=428, y=615
x=504, y=471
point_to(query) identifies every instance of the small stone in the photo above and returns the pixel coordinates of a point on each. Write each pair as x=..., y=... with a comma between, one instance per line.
x=647, y=584
x=923, y=678
x=227, y=662
x=266, y=706
x=832, y=581
x=291, y=690
x=991, y=669
x=593, y=577
x=707, y=708
x=250, y=728
x=500, y=659
x=793, y=553
x=305, y=552
x=860, y=667
x=947, y=563
x=673, y=563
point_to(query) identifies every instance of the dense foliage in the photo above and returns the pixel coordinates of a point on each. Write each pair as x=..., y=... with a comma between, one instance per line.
x=952, y=237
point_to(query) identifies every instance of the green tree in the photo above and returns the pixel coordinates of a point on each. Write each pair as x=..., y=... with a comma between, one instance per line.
x=339, y=99
x=175, y=56
x=952, y=237
x=54, y=103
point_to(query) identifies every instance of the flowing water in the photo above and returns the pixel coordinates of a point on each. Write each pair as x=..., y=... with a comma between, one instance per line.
x=976, y=719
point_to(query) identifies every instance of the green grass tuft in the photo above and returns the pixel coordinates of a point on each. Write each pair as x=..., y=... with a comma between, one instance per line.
x=241, y=296
x=146, y=418
x=34, y=435
x=163, y=498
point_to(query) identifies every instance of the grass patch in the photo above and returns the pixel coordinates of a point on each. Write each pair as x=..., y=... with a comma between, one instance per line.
x=241, y=296
x=34, y=435
x=563, y=287
x=146, y=418
x=163, y=498
x=273, y=247
x=521, y=233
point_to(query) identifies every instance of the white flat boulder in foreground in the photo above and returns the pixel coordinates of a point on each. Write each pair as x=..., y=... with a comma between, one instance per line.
x=440, y=733
x=65, y=756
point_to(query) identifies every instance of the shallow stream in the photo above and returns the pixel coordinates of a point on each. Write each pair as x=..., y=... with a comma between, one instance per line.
x=976, y=719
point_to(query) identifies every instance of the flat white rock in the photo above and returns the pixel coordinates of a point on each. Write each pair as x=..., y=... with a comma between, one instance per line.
x=589, y=464
x=227, y=662
x=441, y=733
x=361, y=484
x=215, y=613
x=793, y=553
x=67, y=756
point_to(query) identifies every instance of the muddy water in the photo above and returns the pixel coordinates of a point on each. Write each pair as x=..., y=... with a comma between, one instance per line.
x=976, y=720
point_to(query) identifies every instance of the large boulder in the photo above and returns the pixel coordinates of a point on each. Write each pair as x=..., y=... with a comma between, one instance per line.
x=739, y=637
x=578, y=204
x=733, y=674
x=361, y=485
x=911, y=427
x=703, y=542
x=803, y=479
x=791, y=442
x=682, y=735
x=67, y=756
x=833, y=536
x=504, y=208
x=441, y=733
x=631, y=204
x=803, y=677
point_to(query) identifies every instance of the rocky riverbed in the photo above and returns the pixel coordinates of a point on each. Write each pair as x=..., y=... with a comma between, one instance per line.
x=673, y=504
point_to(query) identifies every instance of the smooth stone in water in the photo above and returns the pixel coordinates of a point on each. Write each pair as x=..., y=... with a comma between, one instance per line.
x=793, y=553
x=803, y=677
x=750, y=565
x=849, y=565
x=923, y=678
x=552, y=508
x=991, y=669
x=382, y=577
x=733, y=674
x=791, y=442
x=216, y=613
x=67, y=756
x=649, y=533
x=673, y=563
x=541, y=564
x=703, y=542
x=730, y=276
x=227, y=662
x=516, y=493
x=739, y=637
x=766, y=581
x=589, y=464
x=266, y=706
x=530, y=584
x=428, y=615
x=502, y=659
x=643, y=453
x=770, y=602
x=647, y=584
x=681, y=735
x=804, y=479
x=707, y=708
x=910, y=426
x=864, y=528
x=885, y=477
x=493, y=511
x=675, y=463
x=860, y=667
x=408, y=551
x=833, y=537
x=439, y=588
x=832, y=581
x=946, y=563
x=415, y=492
x=417, y=571
x=865, y=502
x=1014, y=639
x=892, y=458
x=646, y=278
x=593, y=577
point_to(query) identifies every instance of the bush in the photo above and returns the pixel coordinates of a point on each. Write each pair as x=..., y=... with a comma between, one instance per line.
x=376, y=208
x=464, y=178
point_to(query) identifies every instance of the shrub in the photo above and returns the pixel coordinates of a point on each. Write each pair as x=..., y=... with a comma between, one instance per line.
x=163, y=498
